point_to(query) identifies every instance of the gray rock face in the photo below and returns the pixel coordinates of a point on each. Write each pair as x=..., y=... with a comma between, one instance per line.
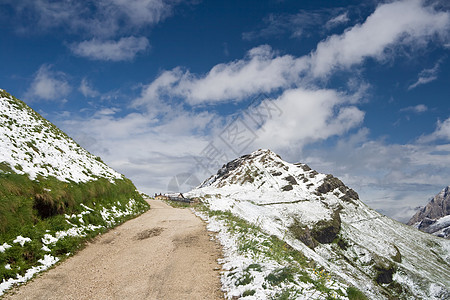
x=435, y=216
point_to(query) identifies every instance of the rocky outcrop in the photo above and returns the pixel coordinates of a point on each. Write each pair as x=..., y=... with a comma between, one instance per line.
x=435, y=216
x=332, y=183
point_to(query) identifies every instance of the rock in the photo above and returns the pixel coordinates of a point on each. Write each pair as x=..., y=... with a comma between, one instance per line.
x=432, y=218
x=325, y=231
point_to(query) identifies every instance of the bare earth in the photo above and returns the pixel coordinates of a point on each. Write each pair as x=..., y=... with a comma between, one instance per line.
x=164, y=254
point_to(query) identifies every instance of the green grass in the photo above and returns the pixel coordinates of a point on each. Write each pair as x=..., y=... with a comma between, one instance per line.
x=32, y=208
x=245, y=279
x=248, y=293
x=280, y=275
x=286, y=294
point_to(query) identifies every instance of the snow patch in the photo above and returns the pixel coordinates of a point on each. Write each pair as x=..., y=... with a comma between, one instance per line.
x=22, y=240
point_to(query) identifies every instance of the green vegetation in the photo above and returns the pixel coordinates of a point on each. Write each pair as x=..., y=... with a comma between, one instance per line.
x=280, y=275
x=355, y=294
x=34, y=208
x=248, y=293
x=286, y=294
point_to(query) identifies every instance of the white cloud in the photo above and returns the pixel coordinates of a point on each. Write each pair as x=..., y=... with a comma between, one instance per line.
x=400, y=22
x=149, y=151
x=442, y=132
x=394, y=178
x=338, y=20
x=124, y=49
x=103, y=19
x=141, y=12
x=49, y=85
x=308, y=116
x=87, y=90
x=164, y=84
x=298, y=25
x=420, y=108
x=260, y=71
x=426, y=76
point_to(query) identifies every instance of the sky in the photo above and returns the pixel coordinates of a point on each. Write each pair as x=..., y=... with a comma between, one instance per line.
x=167, y=91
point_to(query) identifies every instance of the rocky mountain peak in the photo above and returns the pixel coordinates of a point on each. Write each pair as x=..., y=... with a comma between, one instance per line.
x=266, y=171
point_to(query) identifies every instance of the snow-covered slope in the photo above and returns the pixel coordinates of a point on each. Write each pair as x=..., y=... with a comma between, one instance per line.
x=325, y=220
x=31, y=145
x=434, y=218
x=53, y=194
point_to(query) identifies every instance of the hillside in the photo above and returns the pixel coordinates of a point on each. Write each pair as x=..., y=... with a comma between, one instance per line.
x=434, y=218
x=259, y=202
x=53, y=194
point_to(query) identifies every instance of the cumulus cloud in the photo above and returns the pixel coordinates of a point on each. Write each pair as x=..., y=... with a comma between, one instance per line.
x=124, y=49
x=426, y=76
x=87, y=90
x=260, y=71
x=308, y=116
x=49, y=84
x=395, y=23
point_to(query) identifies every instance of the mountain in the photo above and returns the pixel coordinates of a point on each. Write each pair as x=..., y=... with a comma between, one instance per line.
x=324, y=220
x=53, y=194
x=434, y=218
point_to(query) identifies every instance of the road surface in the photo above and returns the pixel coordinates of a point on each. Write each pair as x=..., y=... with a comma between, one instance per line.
x=165, y=253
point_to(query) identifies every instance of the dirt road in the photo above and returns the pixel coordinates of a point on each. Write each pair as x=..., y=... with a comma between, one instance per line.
x=164, y=254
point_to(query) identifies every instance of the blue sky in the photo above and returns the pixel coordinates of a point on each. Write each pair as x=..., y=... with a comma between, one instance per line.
x=167, y=91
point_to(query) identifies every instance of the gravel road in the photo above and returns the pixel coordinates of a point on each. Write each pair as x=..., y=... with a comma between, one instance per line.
x=165, y=253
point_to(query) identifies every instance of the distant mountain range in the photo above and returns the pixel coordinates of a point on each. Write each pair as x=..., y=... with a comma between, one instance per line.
x=434, y=218
x=318, y=215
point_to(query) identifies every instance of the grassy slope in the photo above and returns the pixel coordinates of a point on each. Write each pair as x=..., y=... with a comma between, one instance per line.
x=57, y=216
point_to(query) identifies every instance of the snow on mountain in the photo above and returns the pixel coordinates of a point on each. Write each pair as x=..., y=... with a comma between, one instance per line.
x=321, y=217
x=434, y=218
x=31, y=145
